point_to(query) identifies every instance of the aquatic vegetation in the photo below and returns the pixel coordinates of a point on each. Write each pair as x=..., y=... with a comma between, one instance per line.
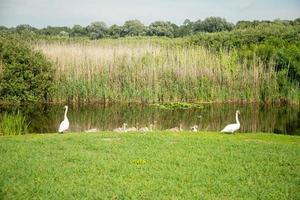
x=13, y=124
x=160, y=70
x=178, y=105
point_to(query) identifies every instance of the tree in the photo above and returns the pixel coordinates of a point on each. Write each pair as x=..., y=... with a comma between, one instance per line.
x=3, y=28
x=176, y=32
x=296, y=21
x=198, y=26
x=27, y=76
x=243, y=24
x=55, y=30
x=97, y=30
x=216, y=24
x=115, y=31
x=25, y=28
x=63, y=34
x=186, y=28
x=78, y=30
x=133, y=28
x=161, y=28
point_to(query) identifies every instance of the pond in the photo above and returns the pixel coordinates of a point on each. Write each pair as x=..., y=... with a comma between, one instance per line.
x=210, y=117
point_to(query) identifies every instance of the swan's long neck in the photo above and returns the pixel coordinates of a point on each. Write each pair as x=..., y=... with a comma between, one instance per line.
x=66, y=112
x=237, y=118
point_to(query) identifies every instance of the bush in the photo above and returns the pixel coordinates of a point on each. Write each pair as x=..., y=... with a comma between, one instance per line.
x=25, y=76
x=271, y=42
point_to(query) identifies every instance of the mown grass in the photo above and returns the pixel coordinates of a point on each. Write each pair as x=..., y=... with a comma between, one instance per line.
x=150, y=166
x=159, y=70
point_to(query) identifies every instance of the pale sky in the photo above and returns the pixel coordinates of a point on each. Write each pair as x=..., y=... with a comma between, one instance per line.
x=40, y=13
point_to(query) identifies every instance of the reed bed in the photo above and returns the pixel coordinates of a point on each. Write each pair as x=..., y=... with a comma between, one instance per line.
x=13, y=124
x=158, y=70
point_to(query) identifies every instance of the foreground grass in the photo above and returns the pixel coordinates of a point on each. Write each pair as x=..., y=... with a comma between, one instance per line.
x=151, y=166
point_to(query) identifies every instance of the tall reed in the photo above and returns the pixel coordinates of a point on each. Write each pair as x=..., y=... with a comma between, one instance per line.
x=158, y=70
x=13, y=124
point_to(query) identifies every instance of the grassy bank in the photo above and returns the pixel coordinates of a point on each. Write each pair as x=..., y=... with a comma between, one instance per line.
x=160, y=70
x=152, y=166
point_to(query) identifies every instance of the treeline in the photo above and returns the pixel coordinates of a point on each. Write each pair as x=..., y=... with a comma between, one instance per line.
x=99, y=29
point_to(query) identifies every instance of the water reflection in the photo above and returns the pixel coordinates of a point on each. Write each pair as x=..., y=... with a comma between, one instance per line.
x=212, y=117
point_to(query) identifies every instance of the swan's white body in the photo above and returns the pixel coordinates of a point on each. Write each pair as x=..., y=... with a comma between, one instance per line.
x=194, y=128
x=230, y=128
x=121, y=129
x=64, y=125
x=132, y=129
x=146, y=129
x=93, y=130
x=176, y=129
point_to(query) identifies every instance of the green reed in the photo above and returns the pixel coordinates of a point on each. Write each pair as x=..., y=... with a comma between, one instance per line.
x=13, y=124
x=159, y=70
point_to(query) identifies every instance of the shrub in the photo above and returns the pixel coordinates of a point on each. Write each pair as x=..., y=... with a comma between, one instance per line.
x=25, y=76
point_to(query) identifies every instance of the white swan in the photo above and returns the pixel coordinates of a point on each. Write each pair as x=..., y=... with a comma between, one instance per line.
x=176, y=129
x=132, y=129
x=230, y=128
x=194, y=128
x=121, y=129
x=146, y=129
x=64, y=125
x=93, y=130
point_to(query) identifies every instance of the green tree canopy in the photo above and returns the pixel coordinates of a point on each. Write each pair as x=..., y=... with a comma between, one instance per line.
x=25, y=75
x=216, y=24
x=115, y=31
x=78, y=30
x=161, y=28
x=133, y=28
x=25, y=28
x=97, y=30
x=55, y=30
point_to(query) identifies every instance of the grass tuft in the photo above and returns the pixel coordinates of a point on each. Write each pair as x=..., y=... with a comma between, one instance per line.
x=13, y=124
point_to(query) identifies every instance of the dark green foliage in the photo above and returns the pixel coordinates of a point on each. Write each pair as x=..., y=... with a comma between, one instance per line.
x=25, y=28
x=186, y=28
x=277, y=41
x=26, y=76
x=3, y=28
x=97, y=30
x=133, y=28
x=78, y=31
x=215, y=24
x=161, y=28
x=178, y=105
x=53, y=30
x=115, y=31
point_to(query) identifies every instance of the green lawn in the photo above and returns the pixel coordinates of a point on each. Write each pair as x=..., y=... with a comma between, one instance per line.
x=150, y=166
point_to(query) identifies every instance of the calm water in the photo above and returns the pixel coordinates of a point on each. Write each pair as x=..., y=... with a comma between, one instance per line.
x=212, y=117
